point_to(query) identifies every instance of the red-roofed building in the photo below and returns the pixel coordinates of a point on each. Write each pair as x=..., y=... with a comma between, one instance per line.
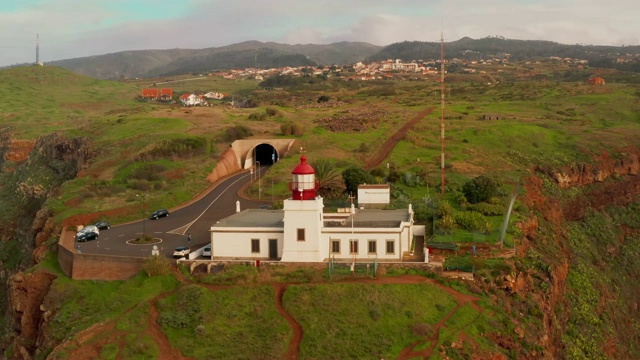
x=151, y=94
x=596, y=80
x=166, y=94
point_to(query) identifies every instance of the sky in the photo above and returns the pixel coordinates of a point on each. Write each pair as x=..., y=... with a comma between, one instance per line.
x=78, y=28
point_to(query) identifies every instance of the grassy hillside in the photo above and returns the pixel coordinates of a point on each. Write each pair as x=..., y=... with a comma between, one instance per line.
x=546, y=121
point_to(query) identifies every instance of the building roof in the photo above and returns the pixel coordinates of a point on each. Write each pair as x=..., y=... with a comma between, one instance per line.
x=373, y=186
x=303, y=168
x=373, y=218
x=364, y=218
x=253, y=218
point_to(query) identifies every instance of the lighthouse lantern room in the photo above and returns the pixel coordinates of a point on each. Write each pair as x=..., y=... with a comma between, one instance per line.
x=303, y=183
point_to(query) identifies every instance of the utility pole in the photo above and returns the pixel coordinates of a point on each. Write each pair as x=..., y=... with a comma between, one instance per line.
x=442, y=177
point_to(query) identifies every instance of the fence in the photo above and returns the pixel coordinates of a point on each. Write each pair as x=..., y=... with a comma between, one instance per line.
x=360, y=268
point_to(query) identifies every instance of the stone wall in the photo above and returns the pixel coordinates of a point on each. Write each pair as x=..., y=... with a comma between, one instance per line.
x=93, y=266
x=105, y=267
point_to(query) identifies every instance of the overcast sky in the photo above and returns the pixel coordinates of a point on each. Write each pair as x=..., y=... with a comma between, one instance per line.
x=77, y=28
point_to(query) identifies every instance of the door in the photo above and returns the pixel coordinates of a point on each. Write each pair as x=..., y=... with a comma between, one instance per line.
x=273, y=249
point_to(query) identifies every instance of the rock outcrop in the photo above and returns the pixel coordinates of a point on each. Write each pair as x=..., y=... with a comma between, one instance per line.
x=625, y=161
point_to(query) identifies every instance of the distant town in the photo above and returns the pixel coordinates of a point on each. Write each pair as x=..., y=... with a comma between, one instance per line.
x=379, y=70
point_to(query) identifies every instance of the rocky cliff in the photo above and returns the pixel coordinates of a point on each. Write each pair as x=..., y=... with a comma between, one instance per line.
x=31, y=172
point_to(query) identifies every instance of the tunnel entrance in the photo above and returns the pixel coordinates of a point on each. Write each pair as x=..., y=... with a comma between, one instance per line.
x=266, y=154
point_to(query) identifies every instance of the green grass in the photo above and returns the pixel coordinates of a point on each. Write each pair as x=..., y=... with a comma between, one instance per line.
x=379, y=318
x=240, y=322
x=78, y=304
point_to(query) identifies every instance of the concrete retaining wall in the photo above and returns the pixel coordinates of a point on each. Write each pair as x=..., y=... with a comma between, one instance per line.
x=92, y=266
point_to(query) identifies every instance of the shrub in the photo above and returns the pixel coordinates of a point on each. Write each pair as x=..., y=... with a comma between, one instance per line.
x=480, y=189
x=149, y=172
x=237, y=132
x=470, y=220
x=271, y=112
x=488, y=209
x=257, y=116
x=291, y=128
x=323, y=99
x=182, y=147
x=157, y=265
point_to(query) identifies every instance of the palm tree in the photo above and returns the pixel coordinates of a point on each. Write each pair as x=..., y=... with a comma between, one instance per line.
x=329, y=179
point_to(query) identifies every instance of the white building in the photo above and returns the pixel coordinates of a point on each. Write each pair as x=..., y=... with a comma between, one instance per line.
x=373, y=195
x=302, y=232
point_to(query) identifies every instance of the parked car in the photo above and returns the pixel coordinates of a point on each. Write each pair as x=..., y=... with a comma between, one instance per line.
x=207, y=251
x=89, y=228
x=181, y=251
x=158, y=214
x=265, y=207
x=86, y=236
x=103, y=225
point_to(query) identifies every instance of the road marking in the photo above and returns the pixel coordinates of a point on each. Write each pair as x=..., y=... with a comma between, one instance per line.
x=186, y=227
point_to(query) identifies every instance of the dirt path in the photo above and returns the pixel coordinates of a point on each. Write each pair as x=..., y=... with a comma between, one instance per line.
x=392, y=141
x=167, y=352
x=296, y=339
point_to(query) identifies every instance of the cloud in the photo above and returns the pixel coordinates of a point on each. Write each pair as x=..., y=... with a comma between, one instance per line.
x=76, y=28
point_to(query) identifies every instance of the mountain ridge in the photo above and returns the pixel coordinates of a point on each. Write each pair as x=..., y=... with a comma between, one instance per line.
x=252, y=53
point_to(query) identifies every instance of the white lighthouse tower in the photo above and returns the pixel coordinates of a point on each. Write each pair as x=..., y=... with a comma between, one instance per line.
x=303, y=217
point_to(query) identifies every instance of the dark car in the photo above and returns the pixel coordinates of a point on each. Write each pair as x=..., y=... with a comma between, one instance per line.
x=158, y=214
x=103, y=225
x=86, y=236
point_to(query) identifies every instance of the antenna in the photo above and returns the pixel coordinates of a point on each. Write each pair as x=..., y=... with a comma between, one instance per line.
x=37, y=49
x=442, y=177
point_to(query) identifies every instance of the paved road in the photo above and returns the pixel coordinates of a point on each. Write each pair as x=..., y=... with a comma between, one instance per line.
x=172, y=230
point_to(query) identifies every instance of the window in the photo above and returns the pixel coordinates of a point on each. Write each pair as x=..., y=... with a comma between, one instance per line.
x=255, y=246
x=335, y=246
x=372, y=247
x=391, y=247
x=300, y=234
x=353, y=247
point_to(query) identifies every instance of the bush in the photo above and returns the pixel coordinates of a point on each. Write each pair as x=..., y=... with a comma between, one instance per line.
x=157, y=265
x=291, y=128
x=182, y=147
x=480, y=189
x=323, y=99
x=271, y=112
x=257, y=116
x=470, y=220
x=149, y=172
x=237, y=132
x=488, y=209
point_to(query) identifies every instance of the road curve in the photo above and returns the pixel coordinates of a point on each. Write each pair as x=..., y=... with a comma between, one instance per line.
x=195, y=219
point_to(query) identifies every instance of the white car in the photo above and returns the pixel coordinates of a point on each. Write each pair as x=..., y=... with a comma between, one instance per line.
x=181, y=251
x=207, y=251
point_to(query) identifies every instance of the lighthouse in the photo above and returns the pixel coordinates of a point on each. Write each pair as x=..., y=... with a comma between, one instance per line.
x=303, y=183
x=303, y=217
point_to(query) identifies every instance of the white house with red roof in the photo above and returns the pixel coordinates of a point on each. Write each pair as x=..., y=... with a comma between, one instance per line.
x=303, y=232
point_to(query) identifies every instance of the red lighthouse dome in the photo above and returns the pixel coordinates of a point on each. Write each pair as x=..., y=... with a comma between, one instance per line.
x=303, y=183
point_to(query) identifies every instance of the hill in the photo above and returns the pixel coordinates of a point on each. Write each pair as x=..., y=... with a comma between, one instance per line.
x=146, y=63
x=150, y=63
x=489, y=47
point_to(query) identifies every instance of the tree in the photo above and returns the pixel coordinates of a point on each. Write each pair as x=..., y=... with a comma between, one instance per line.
x=480, y=189
x=329, y=180
x=353, y=177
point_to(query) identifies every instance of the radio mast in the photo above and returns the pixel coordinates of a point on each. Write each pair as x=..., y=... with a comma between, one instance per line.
x=442, y=177
x=37, y=49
